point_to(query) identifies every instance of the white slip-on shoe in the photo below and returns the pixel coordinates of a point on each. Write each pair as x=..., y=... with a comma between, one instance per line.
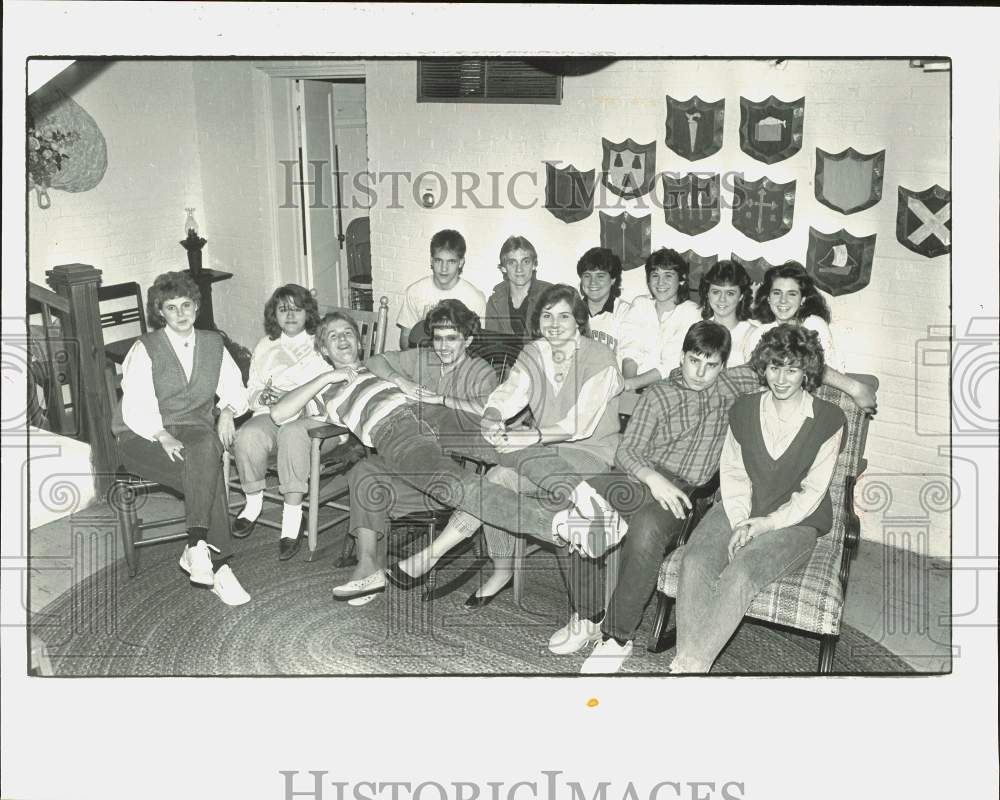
x=574, y=636
x=228, y=589
x=197, y=562
x=361, y=587
x=606, y=658
x=363, y=600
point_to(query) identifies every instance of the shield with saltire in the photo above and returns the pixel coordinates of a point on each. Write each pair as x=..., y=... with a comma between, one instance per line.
x=849, y=181
x=762, y=209
x=691, y=204
x=628, y=168
x=569, y=193
x=771, y=130
x=923, y=221
x=694, y=127
x=627, y=237
x=839, y=262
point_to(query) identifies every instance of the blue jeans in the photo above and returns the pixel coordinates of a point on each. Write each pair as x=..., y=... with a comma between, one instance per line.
x=714, y=593
x=410, y=448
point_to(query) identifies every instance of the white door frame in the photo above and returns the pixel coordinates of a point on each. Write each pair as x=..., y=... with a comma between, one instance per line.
x=286, y=239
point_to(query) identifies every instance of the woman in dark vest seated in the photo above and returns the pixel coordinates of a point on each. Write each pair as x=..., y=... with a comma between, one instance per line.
x=777, y=463
x=167, y=431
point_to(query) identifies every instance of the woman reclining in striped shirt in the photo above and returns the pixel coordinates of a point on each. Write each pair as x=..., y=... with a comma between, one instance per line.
x=406, y=436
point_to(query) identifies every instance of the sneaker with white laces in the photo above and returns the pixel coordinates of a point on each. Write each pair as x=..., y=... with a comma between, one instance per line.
x=574, y=636
x=606, y=658
x=228, y=589
x=197, y=562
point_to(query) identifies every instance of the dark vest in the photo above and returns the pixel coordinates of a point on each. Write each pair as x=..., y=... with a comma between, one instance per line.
x=774, y=482
x=182, y=402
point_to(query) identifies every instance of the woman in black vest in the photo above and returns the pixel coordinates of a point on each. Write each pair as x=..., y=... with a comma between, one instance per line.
x=167, y=431
x=775, y=472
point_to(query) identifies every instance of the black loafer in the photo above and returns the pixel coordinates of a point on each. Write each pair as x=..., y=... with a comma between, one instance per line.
x=402, y=580
x=475, y=602
x=242, y=528
x=287, y=548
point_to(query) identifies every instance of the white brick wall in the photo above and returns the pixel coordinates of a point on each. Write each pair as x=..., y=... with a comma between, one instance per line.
x=130, y=224
x=179, y=134
x=869, y=105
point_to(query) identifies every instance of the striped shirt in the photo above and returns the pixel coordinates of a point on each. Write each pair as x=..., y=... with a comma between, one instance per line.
x=681, y=430
x=362, y=403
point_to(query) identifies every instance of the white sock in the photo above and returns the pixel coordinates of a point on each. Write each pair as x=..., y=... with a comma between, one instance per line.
x=588, y=501
x=255, y=502
x=291, y=519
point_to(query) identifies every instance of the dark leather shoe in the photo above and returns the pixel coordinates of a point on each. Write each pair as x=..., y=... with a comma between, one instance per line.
x=288, y=547
x=475, y=602
x=242, y=528
x=401, y=580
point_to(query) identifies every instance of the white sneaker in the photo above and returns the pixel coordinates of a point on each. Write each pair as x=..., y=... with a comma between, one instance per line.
x=361, y=587
x=197, y=562
x=606, y=658
x=574, y=636
x=228, y=589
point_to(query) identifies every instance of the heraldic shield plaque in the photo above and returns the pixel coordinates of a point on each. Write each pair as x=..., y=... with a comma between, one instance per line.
x=627, y=168
x=569, y=193
x=923, y=221
x=762, y=209
x=771, y=130
x=691, y=204
x=755, y=267
x=627, y=237
x=849, y=181
x=839, y=262
x=694, y=127
x=697, y=267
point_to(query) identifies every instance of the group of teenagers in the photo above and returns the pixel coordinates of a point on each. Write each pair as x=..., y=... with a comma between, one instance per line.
x=725, y=388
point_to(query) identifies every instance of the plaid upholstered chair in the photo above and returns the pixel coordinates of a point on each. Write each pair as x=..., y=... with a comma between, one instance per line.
x=811, y=600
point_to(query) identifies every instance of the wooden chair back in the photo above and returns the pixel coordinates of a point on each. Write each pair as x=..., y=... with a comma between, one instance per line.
x=359, y=263
x=128, y=310
x=374, y=326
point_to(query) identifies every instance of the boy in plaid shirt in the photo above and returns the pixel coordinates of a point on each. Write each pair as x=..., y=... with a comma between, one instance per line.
x=672, y=444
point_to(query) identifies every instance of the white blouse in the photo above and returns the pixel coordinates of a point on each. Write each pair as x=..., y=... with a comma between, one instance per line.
x=655, y=341
x=140, y=408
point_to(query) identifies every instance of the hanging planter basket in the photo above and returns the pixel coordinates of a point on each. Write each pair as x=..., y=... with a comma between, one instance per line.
x=66, y=149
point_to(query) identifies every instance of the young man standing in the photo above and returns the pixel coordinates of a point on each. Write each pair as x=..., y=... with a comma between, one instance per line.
x=445, y=282
x=673, y=443
x=509, y=307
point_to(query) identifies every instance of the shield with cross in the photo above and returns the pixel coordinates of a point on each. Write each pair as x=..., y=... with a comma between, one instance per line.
x=627, y=168
x=840, y=263
x=923, y=221
x=569, y=193
x=694, y=127
x=627, y=237
x=849, y=181
x=697, y=267
x=762, y=209
x=755, y=267
x=691, y=203
x=771, y=130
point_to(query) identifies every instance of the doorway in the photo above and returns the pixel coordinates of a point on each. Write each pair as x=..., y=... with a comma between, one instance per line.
x=320, y=142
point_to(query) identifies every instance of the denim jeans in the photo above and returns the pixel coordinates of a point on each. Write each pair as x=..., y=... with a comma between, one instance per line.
x=714, y=593
x=410, y=448
x=652, y=533
x=198, y=477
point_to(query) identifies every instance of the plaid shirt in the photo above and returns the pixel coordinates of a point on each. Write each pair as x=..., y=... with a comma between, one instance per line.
x=681, y=431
